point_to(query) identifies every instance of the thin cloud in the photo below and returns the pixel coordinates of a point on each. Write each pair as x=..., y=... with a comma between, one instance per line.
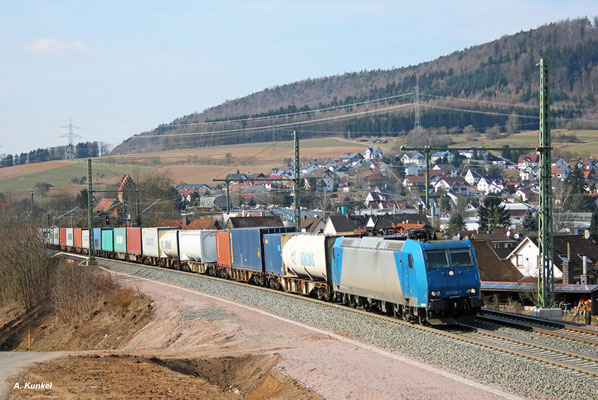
x=49, y=46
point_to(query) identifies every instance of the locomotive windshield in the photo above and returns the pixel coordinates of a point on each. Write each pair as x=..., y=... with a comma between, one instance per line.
x=460, y=258
x=436, y=259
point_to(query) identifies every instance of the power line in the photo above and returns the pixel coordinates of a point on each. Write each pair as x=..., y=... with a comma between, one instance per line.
x=293, y=113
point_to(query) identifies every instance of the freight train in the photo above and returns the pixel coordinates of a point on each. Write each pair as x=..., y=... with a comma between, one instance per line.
x=426, y=281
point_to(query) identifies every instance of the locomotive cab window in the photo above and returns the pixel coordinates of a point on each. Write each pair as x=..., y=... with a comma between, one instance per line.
x=436, y=259
x=410, y=260
x=461, y=258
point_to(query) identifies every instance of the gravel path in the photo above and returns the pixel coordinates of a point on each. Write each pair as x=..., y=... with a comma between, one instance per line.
x=523, y=377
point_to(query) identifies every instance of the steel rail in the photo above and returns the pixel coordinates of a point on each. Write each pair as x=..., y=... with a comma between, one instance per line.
x=560, y=330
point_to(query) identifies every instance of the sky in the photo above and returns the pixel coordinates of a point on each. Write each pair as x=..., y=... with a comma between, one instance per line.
x=118, y=68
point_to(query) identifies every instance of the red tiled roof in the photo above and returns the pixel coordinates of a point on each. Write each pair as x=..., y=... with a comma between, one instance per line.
x=202, y=224
x=104, y=205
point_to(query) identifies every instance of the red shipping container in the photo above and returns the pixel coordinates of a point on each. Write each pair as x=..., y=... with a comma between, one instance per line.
x=77, y=237
x=134, y=240
x=63, y=236
x=223, y=248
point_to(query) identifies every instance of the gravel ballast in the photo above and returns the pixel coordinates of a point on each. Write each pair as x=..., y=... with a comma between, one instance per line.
x=520, y=376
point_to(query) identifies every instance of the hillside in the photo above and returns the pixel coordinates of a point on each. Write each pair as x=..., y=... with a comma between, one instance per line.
x=490, y=78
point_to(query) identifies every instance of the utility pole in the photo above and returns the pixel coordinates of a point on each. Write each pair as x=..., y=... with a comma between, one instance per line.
x=545, y=239
x=32, y=199
x=297, y=184
x=91, y=259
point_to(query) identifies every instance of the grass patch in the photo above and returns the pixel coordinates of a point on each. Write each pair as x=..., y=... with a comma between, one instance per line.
x=62, y=176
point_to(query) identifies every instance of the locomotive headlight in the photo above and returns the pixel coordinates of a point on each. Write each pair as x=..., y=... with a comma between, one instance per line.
x=435, y=294
x=472, y=291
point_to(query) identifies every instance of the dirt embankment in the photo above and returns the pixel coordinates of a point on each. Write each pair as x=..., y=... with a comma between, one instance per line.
x=137, y=377
x=108, y=319
x=137, y=347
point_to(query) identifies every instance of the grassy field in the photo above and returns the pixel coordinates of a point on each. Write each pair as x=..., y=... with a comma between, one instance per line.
x=61, y=175
x=201, y=165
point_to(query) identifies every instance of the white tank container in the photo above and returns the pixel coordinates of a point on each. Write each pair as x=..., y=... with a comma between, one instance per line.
x=85, y=238
x=168, y=243
x=305, y=256
x=69, y=237
x=149, y=238
x=198, y=245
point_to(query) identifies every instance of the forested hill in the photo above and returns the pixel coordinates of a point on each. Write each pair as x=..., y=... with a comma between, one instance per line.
x=490, y=78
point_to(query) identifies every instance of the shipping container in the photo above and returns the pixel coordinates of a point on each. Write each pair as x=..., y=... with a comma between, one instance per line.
x=247, y=248
x=150, y=238
x=77, y=242
x=56, y=235
x=120, y=240
x=134, y=240
x=63, y=236
x=69, y=237
x=198, y=245
x=85, y=238
x=97, y=238
x=273, y=244
x=108, y=239
x=223, y=249
x=169, y=243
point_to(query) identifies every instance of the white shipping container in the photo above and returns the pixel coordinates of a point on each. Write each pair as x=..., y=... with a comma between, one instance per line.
x=56, y=236
x=168, y=243
x=305, y=256
x=198, y=245
x=69, y=237
x=149, y=238
x=85, y=238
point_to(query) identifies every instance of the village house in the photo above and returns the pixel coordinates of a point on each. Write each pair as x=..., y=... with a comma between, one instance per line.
x=373, y=153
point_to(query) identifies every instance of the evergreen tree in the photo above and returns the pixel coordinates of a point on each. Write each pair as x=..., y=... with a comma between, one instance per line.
x=492, y=214
x=574, y=198
x=456, y=224
x=529, y=223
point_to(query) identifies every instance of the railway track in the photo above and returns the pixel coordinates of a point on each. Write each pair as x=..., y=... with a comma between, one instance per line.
x=552, y=356
x=551, y=328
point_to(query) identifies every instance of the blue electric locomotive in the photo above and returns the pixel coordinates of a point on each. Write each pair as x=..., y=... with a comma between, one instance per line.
x=432, y=281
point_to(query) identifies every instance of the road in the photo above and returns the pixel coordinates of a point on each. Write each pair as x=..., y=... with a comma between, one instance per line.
x=11, y=363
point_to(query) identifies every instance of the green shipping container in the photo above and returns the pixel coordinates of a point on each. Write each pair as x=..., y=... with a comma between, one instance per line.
x=120, y=240
x=107, y=239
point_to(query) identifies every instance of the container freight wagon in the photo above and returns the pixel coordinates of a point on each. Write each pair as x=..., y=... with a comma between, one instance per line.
x=168, y=248
x=107, y=242
x=247, y=252
x=97, y=238
x=134, y=248
x=150, y=244
x=120, y=243
x=85, y=239
x=273, y=265
x=69, y=238
x=197, y=249
x=223, y=249
x=77, y=239
x=306, y=264
x=56, y=236
x=62, y=238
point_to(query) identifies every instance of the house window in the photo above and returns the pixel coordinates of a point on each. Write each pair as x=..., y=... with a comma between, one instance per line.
x=519, y=260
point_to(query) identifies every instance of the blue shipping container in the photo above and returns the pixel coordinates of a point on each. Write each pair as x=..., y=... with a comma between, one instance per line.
x=97, y=238
x=247, y=246
x=272, y=253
